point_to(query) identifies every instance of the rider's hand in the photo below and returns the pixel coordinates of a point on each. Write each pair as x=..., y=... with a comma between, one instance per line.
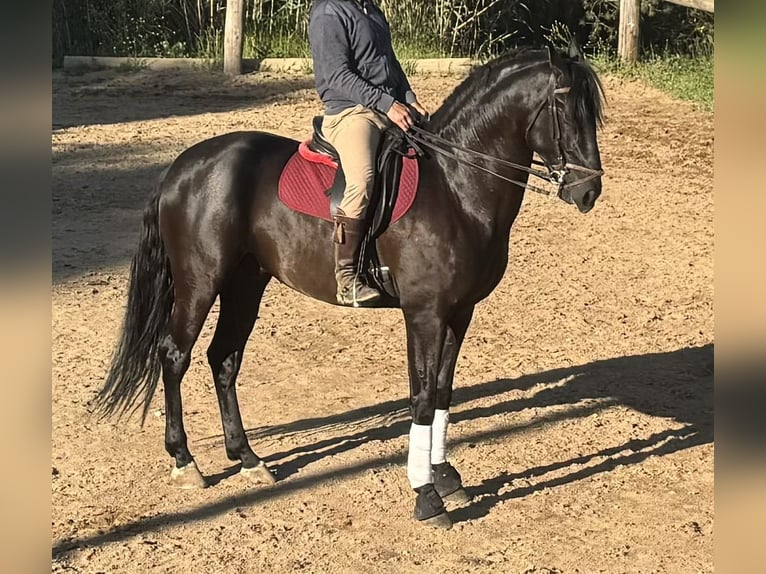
x=400, y=115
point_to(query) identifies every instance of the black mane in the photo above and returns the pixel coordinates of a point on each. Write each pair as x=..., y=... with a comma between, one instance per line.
x=587, y=93
x=486, y=86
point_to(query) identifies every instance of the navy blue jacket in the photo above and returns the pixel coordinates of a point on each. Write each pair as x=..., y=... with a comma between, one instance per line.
x=354, y=62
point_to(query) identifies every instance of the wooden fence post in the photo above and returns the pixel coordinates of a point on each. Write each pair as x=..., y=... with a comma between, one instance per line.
x=233, y=38
x=627, y=40
x=630, y=16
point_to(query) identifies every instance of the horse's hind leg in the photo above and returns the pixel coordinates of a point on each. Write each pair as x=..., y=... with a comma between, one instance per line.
x=186, y=321
x=240, y=299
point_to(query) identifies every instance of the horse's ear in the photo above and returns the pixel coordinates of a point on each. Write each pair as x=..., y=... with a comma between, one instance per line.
x=574, y=50
x=554, y=57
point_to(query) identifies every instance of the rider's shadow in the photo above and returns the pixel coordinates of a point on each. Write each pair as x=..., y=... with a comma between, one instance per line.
x=677, y=385
x=493, y=491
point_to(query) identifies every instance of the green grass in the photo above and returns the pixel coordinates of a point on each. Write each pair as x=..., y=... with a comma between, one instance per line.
x=683, y=77
x=276, y=46
x=296, y=46
x=416, y=51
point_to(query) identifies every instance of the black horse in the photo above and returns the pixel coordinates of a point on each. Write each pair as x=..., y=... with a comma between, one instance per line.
x=216, y=228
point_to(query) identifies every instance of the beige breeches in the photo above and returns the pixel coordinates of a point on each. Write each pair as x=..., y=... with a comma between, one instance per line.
x=355, y=134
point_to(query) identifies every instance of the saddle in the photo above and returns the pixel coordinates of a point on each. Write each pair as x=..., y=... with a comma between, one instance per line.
x=317, y=166
x=391, y=151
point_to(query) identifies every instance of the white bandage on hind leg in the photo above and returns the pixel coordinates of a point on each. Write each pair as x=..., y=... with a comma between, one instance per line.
x=439, y=437
x=419, y=456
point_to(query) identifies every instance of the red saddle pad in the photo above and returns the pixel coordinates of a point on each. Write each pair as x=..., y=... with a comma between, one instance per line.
x=308, y=175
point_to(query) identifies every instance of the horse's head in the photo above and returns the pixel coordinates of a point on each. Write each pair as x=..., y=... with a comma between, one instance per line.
x=563, y=128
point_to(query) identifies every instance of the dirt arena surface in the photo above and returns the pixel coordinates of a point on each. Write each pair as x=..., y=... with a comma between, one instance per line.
x=583, y=416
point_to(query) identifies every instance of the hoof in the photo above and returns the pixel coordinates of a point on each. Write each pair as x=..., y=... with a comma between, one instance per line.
x=259, y=474
x=448, y=484
x=442, y=521
x=429, y=508
x=458, y=497
x=187, y=477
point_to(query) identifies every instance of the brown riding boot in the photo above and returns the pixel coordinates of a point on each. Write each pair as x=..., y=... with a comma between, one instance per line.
x=352, y=291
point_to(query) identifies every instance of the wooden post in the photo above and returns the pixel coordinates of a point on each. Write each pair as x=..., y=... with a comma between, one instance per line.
x=233, y=38
x=627, y=40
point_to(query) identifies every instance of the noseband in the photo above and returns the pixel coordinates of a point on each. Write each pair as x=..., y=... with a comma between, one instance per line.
x=555, y=171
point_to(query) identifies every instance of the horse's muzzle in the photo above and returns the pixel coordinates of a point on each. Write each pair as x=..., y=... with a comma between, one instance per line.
x=583, y=196
x=588, y=200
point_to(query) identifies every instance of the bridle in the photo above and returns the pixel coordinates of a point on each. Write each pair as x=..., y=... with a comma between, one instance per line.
x=558, y=170
x=555, y=171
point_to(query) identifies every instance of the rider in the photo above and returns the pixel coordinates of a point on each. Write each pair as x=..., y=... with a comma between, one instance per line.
x=364, y=90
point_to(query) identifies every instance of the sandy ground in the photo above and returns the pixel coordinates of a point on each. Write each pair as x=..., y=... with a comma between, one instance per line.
x=583, y=416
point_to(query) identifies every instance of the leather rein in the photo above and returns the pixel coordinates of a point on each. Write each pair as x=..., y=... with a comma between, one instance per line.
x=555, y=173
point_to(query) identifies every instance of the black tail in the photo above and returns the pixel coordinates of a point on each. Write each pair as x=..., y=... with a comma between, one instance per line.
x=135, y=367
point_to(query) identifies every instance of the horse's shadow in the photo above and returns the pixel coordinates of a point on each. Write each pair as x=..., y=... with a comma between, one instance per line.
x=677, y=385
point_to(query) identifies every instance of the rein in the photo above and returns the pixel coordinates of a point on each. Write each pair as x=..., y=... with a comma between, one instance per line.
x=547, y=176
x=554, y=174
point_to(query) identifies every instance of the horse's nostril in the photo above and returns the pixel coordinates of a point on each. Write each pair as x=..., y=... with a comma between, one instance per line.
x=590, y=197
x=587, y=200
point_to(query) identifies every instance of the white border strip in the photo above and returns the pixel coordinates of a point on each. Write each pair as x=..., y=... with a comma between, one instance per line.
x=420, y=66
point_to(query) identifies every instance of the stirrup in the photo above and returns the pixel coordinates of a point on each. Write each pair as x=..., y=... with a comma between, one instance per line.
x=351, y=299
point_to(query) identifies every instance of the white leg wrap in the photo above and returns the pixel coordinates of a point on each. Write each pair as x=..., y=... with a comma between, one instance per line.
x=439, y=437
x=419, y=456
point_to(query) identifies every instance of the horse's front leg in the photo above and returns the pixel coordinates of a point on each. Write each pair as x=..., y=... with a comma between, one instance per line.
x=447, y=480
x=426, y=333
